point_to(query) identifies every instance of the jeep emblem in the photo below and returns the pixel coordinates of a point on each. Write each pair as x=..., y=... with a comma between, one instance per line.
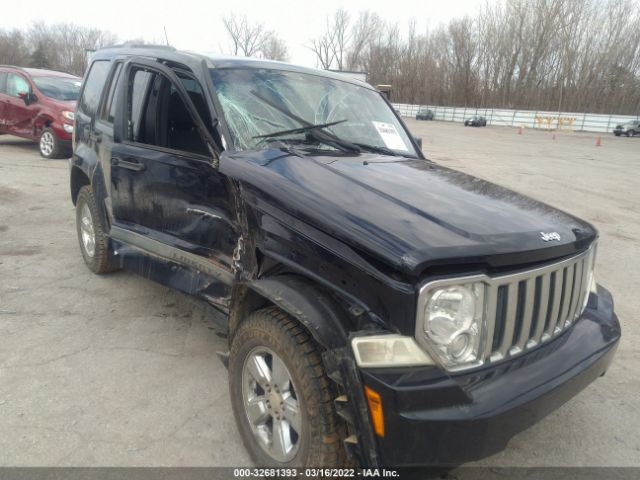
x=547, y=237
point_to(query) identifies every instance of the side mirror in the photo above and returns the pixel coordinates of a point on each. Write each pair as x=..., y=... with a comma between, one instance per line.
x=418, y=140
x=27, y=97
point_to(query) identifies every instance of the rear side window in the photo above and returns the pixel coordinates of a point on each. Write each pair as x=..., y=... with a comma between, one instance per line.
x=3, y=82
x=93, y=87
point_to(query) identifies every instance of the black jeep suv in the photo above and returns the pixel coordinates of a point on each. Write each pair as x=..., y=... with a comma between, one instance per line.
x=382, y=309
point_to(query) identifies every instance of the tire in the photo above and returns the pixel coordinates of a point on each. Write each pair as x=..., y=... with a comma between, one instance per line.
x=271, y=337
x=93, y=241
x=631, y=133
x=50, y=146
x=617, y=134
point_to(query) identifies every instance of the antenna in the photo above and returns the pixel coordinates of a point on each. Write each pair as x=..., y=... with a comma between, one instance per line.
x=166, y=37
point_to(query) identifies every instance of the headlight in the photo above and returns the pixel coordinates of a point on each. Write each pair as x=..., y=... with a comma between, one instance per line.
x=451, y=325
x=388, y=351
x=69, y=115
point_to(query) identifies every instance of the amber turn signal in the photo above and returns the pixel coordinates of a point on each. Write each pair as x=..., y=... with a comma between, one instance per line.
x=375, y=409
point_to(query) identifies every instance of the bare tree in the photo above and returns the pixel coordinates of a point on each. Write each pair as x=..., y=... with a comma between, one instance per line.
x=13, y=47
x=331, y=47
x=247, y=38
x=274, y=48
x=61, y=46
x=366, y=28
x=323, y=48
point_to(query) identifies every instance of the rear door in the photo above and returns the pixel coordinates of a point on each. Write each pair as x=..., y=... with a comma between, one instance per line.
x=166, y=196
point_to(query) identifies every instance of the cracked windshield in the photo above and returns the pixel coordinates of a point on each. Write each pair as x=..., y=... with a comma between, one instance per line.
x=267, y=107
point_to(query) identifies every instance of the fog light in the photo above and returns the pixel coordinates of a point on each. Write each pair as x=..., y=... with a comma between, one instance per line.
x=67, y=128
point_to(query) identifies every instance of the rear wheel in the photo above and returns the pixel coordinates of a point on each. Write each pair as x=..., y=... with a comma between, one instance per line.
x=630, y=133
x=281, y=396
x=94, y=243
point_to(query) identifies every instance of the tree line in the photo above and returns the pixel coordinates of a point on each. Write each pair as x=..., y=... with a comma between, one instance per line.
x=61, y=46
x=556, y=55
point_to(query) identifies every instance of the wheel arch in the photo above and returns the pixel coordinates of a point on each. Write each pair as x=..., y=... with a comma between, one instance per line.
x=316, y=309
x=78, y=180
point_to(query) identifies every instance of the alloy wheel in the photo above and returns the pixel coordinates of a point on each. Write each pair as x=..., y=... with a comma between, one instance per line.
x=47, y=143
x=271, y=404
x=87, y=231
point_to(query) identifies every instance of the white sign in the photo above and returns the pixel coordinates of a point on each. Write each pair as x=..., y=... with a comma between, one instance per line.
x=390, y=136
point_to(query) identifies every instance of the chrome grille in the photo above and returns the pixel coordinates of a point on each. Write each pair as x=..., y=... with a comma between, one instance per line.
x=531, y=307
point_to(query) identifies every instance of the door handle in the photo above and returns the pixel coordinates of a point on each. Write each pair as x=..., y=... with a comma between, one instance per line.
x=135, y=166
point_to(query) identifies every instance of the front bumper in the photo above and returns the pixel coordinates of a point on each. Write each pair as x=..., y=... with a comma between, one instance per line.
x=432, y=418
x=61, y=133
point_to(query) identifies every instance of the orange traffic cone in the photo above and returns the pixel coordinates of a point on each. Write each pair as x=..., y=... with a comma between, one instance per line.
x=598, y=141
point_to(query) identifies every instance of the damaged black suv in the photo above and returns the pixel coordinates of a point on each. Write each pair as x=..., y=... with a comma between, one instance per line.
x=382, y=309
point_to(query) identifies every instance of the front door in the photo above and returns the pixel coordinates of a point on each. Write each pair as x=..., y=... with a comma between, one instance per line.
x=18, y=115
x=166, y=196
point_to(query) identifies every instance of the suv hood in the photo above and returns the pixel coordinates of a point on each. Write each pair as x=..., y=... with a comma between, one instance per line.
x=408, y=213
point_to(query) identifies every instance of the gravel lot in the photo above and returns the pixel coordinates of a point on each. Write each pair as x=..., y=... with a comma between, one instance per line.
x=118, y=371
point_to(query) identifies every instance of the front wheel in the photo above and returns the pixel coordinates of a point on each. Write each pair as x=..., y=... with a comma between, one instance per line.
x=281, y=396
x=631, y=133
x=50, y=145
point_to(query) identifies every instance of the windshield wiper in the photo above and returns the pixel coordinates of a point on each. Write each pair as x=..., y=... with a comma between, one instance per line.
x=316, y=132
x=383, y=150
x=299, y=129
x=377, y=149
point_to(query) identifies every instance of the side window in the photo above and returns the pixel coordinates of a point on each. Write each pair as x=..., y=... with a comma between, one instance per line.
x=93, y=87
x=158, y=116
x=16, y=84
x=3, y=82
x=109, y=107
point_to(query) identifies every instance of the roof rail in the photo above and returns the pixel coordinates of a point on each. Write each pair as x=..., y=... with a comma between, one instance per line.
x=141, y=45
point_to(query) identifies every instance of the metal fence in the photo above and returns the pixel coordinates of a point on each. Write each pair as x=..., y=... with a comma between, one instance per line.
x=587, y=122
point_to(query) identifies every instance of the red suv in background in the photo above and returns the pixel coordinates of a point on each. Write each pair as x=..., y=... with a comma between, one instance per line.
x=39, y=105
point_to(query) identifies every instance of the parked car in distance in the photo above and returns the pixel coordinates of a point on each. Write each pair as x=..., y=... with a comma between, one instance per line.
x=629, y=129
x=39, y=105
x=424, y=114
x=475, y=121
x=381, y=309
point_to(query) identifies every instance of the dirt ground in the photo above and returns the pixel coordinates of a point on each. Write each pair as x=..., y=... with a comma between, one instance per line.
x=118, y=371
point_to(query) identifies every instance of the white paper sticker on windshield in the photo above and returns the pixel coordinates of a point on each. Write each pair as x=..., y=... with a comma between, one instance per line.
x=390, y=136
